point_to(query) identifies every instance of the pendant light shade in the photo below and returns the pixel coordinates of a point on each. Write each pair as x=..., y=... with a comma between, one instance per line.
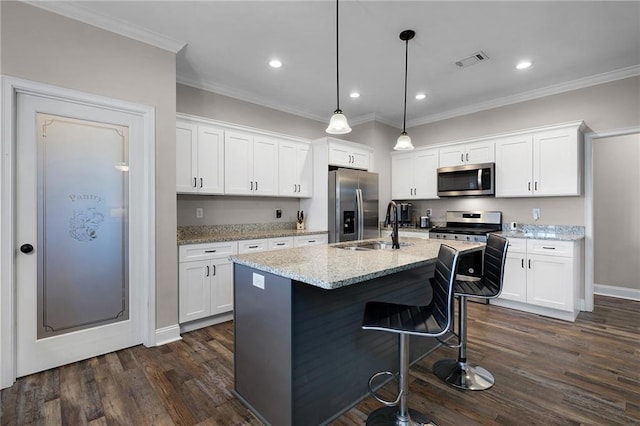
x=338, y=124
x=404, y=141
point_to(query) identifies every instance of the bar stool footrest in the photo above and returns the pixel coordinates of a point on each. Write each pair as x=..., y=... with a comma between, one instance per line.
x=389, y=416
x=463, y=375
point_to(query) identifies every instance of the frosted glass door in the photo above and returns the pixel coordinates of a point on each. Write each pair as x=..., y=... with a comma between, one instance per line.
x=82, y=210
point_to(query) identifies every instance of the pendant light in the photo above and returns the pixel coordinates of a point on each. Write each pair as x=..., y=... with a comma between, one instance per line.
x=338, y=124
x=404, y=141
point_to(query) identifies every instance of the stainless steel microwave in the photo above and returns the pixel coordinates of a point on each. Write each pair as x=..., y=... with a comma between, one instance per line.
x=468, y=179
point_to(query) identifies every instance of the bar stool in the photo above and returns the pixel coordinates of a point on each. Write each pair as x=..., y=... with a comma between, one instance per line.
x=458, y=372
x=431, y=320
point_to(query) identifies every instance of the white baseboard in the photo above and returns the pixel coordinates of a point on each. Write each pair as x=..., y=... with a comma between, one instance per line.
x=168, y=334
x=613, y=291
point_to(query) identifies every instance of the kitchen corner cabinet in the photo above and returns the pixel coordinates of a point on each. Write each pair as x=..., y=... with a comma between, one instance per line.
x=250, y=164
x=199, y=159
x=542, y=276
x=468, y=153
x=205, y=280
x=413, y=175
x=543, y=163
x=345, y=154
x=295, y=169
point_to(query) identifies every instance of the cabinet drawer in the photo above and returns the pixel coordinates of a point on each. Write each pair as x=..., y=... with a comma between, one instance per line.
x=517, y=245
x=309, y=240
x=250, y=246
x=191, y=252
x=280, y=243
x=550, y=248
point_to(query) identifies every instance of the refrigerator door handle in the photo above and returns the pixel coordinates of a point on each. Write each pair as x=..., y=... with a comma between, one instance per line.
x=360, y=217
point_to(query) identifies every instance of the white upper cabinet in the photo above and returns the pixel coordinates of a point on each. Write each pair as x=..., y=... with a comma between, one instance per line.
x=199, y=159
x=295, y=169
x=251, y=164
x=413, y=175
x=467, y=153
x=345, y=154
x=542, y=163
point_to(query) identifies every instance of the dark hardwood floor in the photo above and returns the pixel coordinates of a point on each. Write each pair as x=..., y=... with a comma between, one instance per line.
x=548, y=372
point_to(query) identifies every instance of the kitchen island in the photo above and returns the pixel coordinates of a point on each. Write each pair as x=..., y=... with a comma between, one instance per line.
x=300, y=356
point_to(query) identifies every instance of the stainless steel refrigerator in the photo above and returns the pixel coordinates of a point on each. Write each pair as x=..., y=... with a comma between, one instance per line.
x=353, y=205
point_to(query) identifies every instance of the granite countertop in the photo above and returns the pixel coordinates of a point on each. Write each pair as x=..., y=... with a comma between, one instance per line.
x=222, y=233
x=329, y=267
x=546, y=232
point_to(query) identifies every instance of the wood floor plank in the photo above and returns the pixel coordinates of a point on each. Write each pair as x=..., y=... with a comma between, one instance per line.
x=547, y=372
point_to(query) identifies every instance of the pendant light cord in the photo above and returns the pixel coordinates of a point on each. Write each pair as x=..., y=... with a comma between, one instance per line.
x=406, y=70
x=337, y=61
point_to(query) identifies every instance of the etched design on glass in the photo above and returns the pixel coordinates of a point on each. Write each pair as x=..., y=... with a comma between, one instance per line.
x=83, y=224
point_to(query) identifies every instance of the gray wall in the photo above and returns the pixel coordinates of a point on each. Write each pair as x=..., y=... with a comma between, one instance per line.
x=616, y=199
x=48, y=48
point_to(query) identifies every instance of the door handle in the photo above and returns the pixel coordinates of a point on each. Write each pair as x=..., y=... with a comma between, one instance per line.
x=256, y=185
x=535, y=186
x=26, y=248
x=529, y=263
x=461, y=158
x=522, y=263
x=201, y=182
x=195, y=182
x=529, y=186
x=251, y=186
x=207, y=270
x=214, y=269
x=467, y=157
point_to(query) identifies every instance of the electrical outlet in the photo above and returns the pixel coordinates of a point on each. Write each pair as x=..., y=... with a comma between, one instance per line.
x=536, y=213
x=199, y=213
x=278, y=213
x=429, y=212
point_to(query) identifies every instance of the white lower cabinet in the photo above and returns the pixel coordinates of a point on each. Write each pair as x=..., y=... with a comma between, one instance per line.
x=543, y=277
x=205, y=280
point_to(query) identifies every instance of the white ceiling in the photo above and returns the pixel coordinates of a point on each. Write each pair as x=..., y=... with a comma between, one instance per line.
x=227, y=45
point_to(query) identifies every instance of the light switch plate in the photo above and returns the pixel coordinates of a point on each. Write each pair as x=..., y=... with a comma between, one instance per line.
x=536, y=213
x=199, y=213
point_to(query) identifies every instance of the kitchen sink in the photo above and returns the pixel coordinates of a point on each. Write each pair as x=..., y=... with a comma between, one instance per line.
x=370, y=245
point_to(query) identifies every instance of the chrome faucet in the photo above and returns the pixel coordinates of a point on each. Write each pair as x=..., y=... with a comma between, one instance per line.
x=395, y=243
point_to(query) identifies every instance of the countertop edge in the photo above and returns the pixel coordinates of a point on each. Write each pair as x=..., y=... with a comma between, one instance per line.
x=240, y=236
x=541, y=236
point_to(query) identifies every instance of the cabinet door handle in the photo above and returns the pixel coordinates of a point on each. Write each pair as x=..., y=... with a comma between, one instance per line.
x=529, y=263
x=210, y=251
x=214, y=269
x=207, y=270
x=548, y=248
x=256, y=185
x=252, y=247
x=529, y=186
x=467, y=156
x=201, y=182
x=280, y=244
x=195, y=182
x=251, y=189
x=461, y=158
x=535, y=186
x=522, y=263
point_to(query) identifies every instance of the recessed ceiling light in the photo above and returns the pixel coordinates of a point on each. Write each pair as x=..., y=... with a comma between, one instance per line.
x=523, y=65
x=275, y=63
x=354, y=95
x=420, y=96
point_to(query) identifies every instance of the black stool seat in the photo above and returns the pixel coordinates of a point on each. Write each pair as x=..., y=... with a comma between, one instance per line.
x=458, y=372
x=433, y=320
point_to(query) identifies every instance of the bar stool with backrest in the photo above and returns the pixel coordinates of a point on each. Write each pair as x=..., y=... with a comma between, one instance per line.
x=459, y=372
x=431, y=320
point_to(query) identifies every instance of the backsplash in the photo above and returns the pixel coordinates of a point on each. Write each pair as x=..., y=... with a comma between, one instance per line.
x=544, y=229
x=186, y=232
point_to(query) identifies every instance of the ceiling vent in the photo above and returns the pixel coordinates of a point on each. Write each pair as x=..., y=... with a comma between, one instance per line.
x=471, y=60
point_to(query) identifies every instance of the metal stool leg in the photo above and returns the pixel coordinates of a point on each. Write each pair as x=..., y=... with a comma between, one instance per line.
x=400, y=415
x=458, y=372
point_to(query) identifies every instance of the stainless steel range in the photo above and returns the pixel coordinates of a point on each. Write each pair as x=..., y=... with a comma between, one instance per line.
x=468, y=226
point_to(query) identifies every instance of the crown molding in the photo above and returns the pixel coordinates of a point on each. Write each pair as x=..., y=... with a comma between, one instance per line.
x=126, y=29
x=568, y=86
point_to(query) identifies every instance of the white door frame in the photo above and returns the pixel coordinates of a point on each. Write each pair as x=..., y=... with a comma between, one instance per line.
x=589, y=139
x=10, y=88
